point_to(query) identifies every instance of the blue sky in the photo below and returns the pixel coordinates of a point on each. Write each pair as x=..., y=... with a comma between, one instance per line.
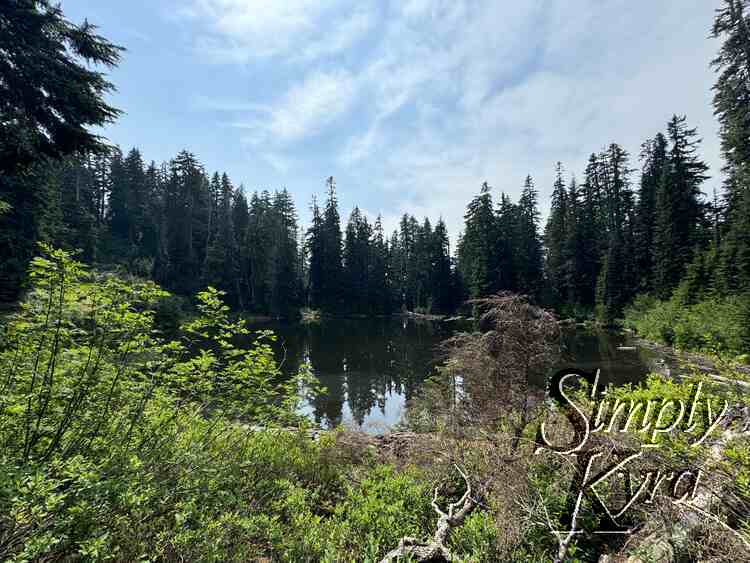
x=410, y=104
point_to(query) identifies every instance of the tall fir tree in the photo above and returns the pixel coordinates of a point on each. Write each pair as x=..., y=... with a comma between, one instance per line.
x=654, y=161
x=615, y=285
x=555, y=235
x=477, y=253
x=732, y=108
x=221, y=264
x=332, y=291
x=356, y=258
x=285, y=282
x=528, y=249
x=680, y=216
x=441, y=274
x=380, y=277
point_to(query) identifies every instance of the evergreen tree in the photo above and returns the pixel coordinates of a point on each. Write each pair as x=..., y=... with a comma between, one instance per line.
x=407, y=277
x=441, y=278
x=573, y=251
x=332, y=262
x=555, y=235
x=590, y=231
x=50, y=94
x=654, y=159
x=507, y=258
x=477, y=256
x=284, y=260
x=316, y=283
x=395, y=261
x=380, y=277
x=241, y=225
x=221, y=265
x=259, y=241
x=615, y=285
x=187, y=209
x=422, y=266
x=732, y=108
x=680, y=217
x=74, y=179
x=528, y=248
x=356, y=257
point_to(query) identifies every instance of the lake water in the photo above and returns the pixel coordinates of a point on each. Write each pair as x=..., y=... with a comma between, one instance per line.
x=371, y=367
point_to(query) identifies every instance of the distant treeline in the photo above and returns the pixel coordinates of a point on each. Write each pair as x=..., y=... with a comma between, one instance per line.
x=605, y=241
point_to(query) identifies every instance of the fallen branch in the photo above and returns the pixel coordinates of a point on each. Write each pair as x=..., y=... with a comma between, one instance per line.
x=436, y=549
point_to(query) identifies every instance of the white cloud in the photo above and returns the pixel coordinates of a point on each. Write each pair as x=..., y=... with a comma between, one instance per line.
x=278, y=161
x=308, y=106
x=317, y=101
x=239, y=31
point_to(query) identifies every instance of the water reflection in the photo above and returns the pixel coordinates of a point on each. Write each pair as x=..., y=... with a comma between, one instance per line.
x=371, y=367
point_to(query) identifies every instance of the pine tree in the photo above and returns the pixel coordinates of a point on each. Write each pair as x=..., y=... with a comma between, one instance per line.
x=732, y=108
x=51, y=95
x=680, y=214
x=441, y=278
x=284, y=261
x=555, y=235
x=395, y=259
x=477, y=256
x=316, y=283
x=380, y=277
x=615, y=285
x=241, y=223
x=221, y=265
x=407, y=278
x=422, y=266
x=185, y=225
x=48, y=87
x=259, y=242
x=572, y=248
x=507, y=258
x=654, y=159
x=331, y=239
x=528, y=248
x=590, y=232
x=75, y=179
x=356, y=258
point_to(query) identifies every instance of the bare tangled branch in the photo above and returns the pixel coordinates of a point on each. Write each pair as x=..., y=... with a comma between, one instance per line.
x=436, y=549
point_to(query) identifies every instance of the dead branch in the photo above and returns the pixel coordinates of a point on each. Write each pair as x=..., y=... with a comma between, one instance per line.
x=436, y=550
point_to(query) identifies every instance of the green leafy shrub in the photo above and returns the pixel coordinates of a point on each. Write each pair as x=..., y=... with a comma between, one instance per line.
x=715, y=324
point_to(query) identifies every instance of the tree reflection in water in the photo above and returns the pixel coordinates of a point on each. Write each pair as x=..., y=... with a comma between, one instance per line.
x=371, y=367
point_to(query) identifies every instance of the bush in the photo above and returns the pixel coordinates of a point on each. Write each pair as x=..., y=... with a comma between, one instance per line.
x=715, y=324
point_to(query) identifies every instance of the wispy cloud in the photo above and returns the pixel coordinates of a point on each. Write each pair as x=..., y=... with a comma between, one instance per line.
x=428, y=98
x=239, y=31
x=306, y=108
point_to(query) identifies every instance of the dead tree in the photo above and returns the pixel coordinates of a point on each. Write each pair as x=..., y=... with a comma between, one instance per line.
x=501, y=369
x=436, y=550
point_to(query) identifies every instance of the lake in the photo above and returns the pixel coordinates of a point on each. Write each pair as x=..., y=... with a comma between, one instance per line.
x=371, y=367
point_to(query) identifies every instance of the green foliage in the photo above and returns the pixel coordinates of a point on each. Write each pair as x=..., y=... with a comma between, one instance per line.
x=119, y=444
x=731, y=109
x=714, y=325
x=477, y=538
x=93, y=397
x=52, y=92
x=49, y=88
